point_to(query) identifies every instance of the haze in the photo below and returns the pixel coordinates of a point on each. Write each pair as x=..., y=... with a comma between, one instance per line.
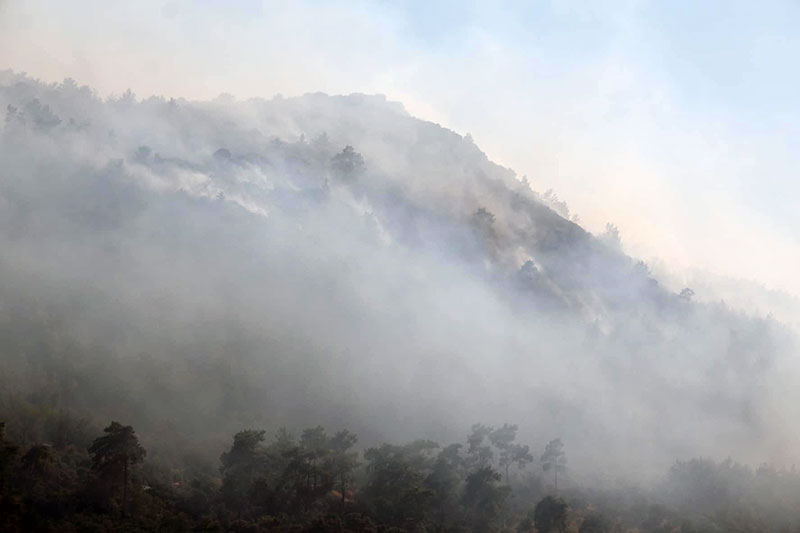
x=404, y=220
x=676, y=123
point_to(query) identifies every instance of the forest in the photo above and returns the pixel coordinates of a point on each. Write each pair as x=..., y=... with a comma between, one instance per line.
x=322, y=481
x=320, y=313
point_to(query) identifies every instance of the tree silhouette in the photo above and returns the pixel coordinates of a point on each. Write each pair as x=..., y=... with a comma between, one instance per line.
x=342, y=461
x=510, y=453
x=305, y=475
x=348, y=164
x=114, y=453
x=550, y=515
x=241, y=465
x=394, y=488
x=484, y=497
x=554, y=459
x=478, y=454
x=38, y=460
x=444, y=482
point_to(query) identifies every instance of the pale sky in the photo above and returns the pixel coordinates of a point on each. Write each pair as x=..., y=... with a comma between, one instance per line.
x=677, y=121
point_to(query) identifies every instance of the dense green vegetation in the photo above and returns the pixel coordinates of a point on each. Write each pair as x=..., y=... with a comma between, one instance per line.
x=321, y=481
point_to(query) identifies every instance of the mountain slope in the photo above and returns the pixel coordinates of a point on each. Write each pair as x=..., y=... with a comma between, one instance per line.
x=320, y=259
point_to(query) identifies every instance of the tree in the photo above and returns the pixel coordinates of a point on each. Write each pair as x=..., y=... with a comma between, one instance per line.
x=305, y=474
x=241, y=465
x=342, y=461
x=8, y=453
x=484, y=497
x=510, y=453
x=482, y=218
x=444, y=482
x=41, y=116
x=478, y=454
x=114, y=453
x=550, y=515
x=612, y=236
x=394, y=488
x=554, y=459
x=314, y=450
x=38, y=462
x=348, y=164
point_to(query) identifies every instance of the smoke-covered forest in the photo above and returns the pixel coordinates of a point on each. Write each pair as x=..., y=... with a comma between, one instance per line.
x=190, y=291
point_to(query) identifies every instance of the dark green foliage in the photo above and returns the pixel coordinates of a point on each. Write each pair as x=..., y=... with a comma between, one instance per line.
x=550, y=515
x=241, y=466
x=306, y=477
x=510, y=452
x=320, y=482
x=295, y=477
x=445, y=481
x=113, y=455
x=395, y=488
x=484, y=498
x=342, y=462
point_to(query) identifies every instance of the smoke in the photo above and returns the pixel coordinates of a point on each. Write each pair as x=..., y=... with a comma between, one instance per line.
x=405, y=286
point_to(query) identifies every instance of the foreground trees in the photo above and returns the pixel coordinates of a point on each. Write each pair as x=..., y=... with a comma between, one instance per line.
x=288, y=475
x=318, y=481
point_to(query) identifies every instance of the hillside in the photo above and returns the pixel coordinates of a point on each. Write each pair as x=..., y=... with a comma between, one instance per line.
x=201, y=267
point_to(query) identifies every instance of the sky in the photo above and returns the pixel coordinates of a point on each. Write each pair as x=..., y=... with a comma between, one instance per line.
x=676, y=121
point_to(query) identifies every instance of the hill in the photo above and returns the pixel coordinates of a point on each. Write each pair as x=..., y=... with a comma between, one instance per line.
x=200, y=267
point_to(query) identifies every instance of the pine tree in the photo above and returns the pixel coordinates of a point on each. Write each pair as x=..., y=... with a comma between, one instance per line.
x=113, y=454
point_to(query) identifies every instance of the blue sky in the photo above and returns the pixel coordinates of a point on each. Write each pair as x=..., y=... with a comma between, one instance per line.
x=678, y=121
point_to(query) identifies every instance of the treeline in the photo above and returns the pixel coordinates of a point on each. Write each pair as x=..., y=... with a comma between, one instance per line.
x=315, y=481
x=320, y=481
